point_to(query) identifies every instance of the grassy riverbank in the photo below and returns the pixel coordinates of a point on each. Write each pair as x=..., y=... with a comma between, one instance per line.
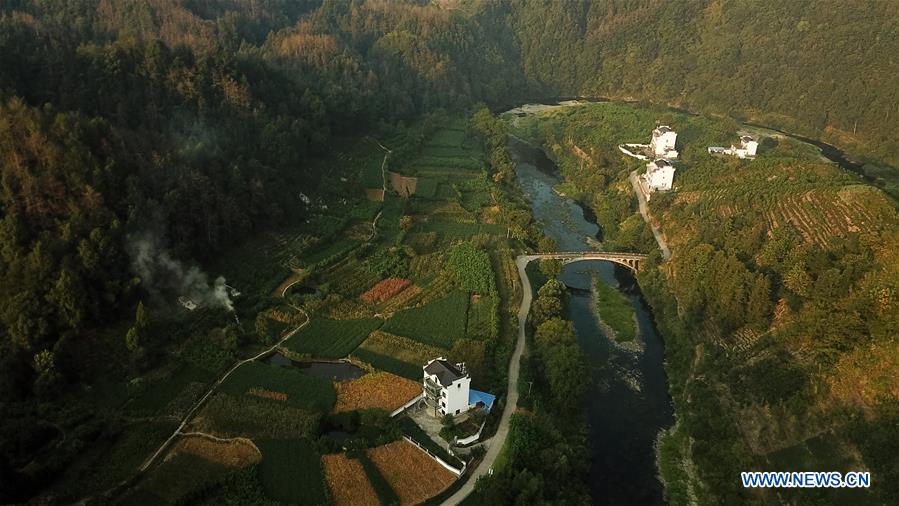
x=614, y=311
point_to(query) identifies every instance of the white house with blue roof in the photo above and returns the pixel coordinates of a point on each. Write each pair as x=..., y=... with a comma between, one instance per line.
x=447, y=389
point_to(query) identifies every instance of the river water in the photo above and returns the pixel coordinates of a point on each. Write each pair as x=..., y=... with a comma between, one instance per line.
x=627, y=402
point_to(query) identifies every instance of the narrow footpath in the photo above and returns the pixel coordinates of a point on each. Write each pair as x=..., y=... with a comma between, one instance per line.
x=495, y=444
x=178, y=432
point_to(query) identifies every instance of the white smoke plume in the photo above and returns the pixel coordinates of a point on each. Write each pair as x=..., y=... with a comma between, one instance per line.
x=162, y=275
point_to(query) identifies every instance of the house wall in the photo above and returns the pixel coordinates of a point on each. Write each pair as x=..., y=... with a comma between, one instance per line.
x=663, y=143
x=457, y=396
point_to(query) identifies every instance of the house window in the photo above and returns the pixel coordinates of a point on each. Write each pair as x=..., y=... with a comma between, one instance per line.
x=457, y=411
x=459, y=385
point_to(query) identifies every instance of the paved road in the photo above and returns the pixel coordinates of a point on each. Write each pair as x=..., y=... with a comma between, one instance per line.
x=495, y=444
x=644, y=210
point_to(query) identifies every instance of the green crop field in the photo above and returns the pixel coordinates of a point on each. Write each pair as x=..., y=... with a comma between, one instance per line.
x=303, y=391
x=331, y=338
x=181, y=475
x=291, y=471
x=426, y=187
x=447, y=152
x=454, y=230
x=437, y=323
x=251, y=416
x=331, y=251
x=482, y=319
x=390, y=364
x=157, y=395
x=447, y=137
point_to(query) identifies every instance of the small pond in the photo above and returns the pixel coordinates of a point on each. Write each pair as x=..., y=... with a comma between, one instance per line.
x=336, y=371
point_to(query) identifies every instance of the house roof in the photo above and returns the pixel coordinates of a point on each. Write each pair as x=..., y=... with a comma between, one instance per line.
x=446, y=372
x=663, y=129
x=476, y=396
x=661, y=162
x=746, y=138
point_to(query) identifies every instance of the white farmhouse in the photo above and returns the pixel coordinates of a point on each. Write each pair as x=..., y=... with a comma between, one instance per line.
x=659, y=175
x=663, y=141
x=446, y=387
x=747, y=149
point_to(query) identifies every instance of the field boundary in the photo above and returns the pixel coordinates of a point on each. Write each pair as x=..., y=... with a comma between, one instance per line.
x=147, y=463
x=457, y=472
x=406, y=406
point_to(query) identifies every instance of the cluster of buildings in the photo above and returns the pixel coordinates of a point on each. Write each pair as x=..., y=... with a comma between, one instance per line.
x=447, y=389
x=661, y=153
x=747, y=148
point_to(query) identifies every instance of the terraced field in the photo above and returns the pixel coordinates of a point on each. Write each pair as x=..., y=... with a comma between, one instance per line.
x=331, y=338
x=396, y=354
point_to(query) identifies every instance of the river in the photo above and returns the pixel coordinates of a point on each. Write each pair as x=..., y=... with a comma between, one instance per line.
x=627, y=402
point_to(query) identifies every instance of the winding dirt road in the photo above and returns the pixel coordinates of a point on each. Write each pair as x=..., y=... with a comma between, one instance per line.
x=495, y=444
x=644, y=210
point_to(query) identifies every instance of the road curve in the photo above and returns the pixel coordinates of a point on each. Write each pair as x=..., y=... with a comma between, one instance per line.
x=495, y=444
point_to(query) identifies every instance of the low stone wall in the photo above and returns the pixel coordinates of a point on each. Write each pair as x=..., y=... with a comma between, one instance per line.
x=457, y=472
x=406, y=406
x=472, y=438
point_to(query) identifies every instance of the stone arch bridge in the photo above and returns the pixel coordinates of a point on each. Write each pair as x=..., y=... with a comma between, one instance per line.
x=630, y=260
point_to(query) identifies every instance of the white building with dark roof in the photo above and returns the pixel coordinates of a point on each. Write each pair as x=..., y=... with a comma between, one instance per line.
x=747, y=148
x=659, y=175
x=663, y=141
x=446, y=387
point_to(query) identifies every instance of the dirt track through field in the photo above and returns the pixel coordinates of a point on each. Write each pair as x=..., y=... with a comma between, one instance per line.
x=374, y=223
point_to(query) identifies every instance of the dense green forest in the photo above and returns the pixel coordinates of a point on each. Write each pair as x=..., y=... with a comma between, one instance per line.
x=135, y=136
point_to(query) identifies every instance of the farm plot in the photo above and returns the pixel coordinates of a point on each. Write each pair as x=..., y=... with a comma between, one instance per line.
x=380, y=390
x=262, y=261
x=251, y=416
x=451, y=230
x=452, y=137
x=300, y=390
x=406, y=350
x=436, y=323
x=400, y=300
x=328, y=253
x=349, y=278
x=411, y=473
x=240, y=452
x=331, y=338
x=180, y=476
x=187, y=380
x=482, y=320
x=347, y=481
x=384, y=290
x=426, y=187
x=291, y=471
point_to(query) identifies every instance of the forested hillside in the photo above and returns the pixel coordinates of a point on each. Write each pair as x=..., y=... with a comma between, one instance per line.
x=822, y=68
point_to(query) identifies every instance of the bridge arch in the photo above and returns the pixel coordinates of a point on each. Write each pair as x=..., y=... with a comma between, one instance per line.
x=632, y=261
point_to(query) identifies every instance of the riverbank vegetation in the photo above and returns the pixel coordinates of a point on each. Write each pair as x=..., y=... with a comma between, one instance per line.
x=615, y=311
x=779, y=284
x=547, y=435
